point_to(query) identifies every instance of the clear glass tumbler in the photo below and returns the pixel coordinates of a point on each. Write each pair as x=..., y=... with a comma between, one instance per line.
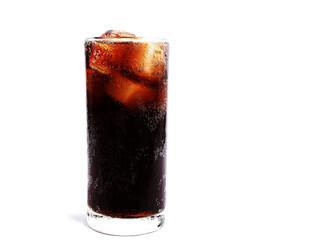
x=126, y=83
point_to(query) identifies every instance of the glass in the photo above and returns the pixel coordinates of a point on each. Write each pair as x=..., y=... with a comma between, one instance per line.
x=126, y=83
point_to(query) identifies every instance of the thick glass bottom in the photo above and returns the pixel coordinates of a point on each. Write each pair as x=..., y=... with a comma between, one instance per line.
x=124, y=226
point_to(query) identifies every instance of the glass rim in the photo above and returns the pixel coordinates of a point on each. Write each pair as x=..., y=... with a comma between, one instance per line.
x=137, y=39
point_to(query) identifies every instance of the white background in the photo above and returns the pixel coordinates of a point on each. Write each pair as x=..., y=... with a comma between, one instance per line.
x=250, y=131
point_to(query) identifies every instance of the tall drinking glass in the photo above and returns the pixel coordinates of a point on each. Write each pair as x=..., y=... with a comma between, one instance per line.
x=126, y=83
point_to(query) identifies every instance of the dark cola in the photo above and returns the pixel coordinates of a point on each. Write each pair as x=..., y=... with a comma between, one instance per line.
x=126, y=81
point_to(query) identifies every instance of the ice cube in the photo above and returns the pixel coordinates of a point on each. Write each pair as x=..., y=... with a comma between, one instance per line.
x=117, y=34
x=148, y=60
x=95, y=83
x=129, y=92
x=108, y=56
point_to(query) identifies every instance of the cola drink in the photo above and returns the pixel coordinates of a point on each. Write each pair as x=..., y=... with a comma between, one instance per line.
x=126, y=83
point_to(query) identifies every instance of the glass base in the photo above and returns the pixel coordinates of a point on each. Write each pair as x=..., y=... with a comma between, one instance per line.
x=124, y=226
